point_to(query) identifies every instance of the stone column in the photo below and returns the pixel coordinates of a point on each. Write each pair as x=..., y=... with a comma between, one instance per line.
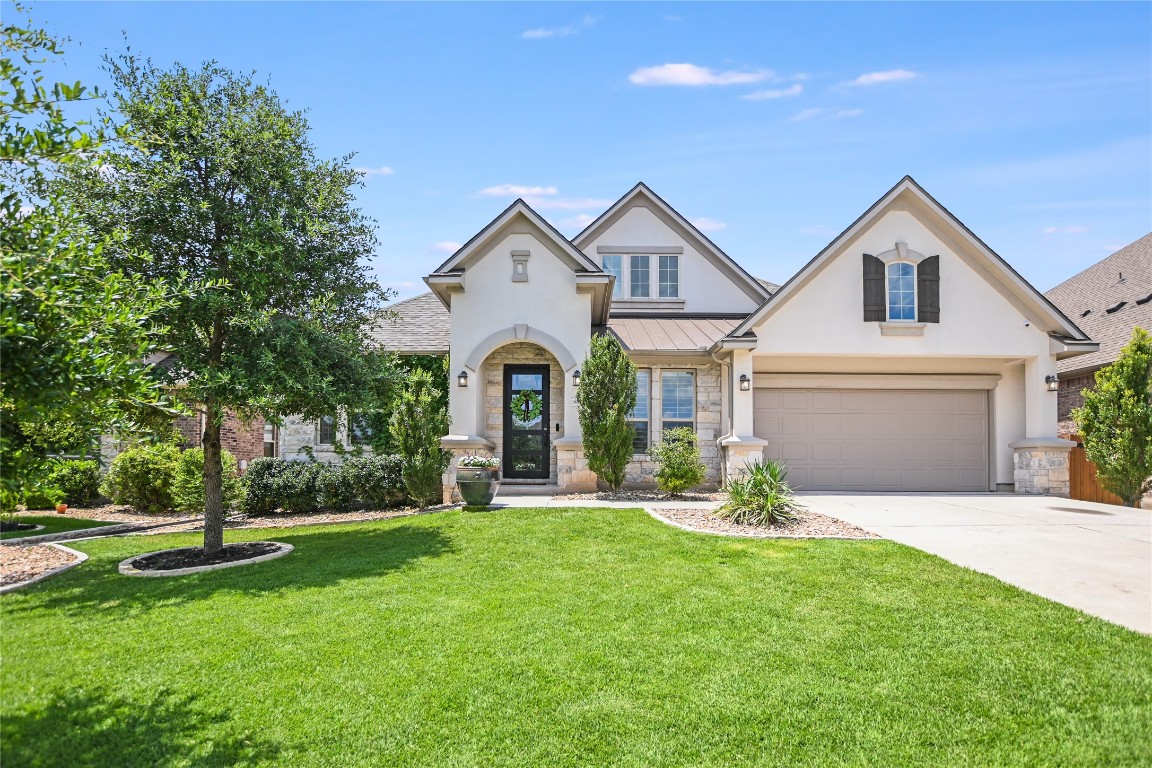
x=457, y=446
x=1041, y=466
x=572, y=473
x=739, y=452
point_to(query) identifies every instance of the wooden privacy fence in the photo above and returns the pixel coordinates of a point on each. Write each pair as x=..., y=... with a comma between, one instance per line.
x=1082, y=476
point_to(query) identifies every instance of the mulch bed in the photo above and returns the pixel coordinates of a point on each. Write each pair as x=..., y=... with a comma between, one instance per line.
x=808, y=525
x=19, y=564
x=641, y=496
x=6, y=527
x=193, y=557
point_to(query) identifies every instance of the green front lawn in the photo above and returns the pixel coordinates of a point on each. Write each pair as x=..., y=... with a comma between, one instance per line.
x=561, y=637
x=52, y=524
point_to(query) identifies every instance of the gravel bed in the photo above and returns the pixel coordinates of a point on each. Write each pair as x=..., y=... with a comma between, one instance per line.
x=19, y=564
x=809, y=525
x=641, y=496
x=116, y=513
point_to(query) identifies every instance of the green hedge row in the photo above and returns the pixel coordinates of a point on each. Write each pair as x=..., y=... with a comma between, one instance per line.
x=276, y=485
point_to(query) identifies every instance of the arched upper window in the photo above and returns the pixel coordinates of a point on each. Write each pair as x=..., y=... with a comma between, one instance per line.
x=901, y=291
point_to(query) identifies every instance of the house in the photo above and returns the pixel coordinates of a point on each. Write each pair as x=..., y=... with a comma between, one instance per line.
x=906, y=356
x=1108, y=300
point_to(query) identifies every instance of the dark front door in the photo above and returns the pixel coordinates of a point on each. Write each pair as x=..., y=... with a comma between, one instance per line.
x=526, y=422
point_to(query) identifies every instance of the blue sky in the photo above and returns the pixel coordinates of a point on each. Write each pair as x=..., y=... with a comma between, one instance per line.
x=771, y=125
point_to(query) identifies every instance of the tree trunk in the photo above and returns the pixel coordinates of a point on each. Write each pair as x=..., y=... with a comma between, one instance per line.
x=213, y=483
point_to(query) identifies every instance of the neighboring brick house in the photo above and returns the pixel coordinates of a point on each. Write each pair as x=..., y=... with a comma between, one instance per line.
x=1106, y=301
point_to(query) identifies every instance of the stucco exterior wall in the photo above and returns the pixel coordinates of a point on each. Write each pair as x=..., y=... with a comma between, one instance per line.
x=522, y=353
x=703, y=287
x=545, y=309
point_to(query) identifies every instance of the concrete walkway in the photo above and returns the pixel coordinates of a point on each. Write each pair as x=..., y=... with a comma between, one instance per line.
x=1095, y=557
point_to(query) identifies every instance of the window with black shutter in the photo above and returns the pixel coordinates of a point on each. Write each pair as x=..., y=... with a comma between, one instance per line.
x=874, y=297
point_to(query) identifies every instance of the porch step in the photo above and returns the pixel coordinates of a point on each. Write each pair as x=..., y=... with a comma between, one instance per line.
x=508, y=488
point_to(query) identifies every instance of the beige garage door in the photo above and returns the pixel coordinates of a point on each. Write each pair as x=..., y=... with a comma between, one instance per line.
x=877, y=440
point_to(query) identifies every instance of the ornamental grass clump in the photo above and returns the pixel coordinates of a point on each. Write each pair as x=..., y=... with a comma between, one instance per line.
x=760, y=496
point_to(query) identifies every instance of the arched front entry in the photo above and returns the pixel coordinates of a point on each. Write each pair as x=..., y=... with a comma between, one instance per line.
x=524, y=440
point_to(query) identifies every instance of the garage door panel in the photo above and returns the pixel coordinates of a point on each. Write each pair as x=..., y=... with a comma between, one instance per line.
x=884, y=440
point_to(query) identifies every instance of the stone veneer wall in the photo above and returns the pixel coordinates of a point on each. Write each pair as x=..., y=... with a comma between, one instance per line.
x=522, y=353
x=1041, y=467
x=641, y=471
x=296, y=433
x=1071, y=396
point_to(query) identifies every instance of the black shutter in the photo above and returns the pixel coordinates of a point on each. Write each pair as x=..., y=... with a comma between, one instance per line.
x=874, y=299
x=928, y=290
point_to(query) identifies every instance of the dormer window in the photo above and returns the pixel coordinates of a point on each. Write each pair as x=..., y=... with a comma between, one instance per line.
x=901, y=291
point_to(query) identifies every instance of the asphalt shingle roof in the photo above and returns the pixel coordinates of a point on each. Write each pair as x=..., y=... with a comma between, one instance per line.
x=1119, y=282
x=421, y=326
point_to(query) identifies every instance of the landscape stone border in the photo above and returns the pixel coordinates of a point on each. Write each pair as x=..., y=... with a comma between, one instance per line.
x=128, y=569
x=80, y=557
x=759, y=533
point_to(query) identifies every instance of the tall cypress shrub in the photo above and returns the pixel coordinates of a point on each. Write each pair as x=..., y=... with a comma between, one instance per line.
x=418, y=423
x=606, y=396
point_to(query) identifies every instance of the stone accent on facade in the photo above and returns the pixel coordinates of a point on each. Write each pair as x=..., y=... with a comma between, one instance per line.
x=1041, y=466
x=522, y=353
x=641, y=471
x=572, y=470
x=739, y=452
x=297, y=434
x=1071, y=396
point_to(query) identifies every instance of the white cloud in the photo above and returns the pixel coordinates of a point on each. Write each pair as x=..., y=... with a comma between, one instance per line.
x=541, y=33
x=705, y=224
x=848, y=113
x=777, y=93
x=565, y=203
x=446, y=246
x=806, y=114
x=692, y=75
x=577, y=222
x=887, y=76
x=516, y=190
x=381, y=171
x=1067, y=230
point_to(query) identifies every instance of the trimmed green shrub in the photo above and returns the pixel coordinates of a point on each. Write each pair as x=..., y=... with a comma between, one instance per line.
x=760, y=496
x=418, y=422
x=188, y=481
x=372, y=482
x=275, y=485
x=142, y=476
x=45, y=496
x=78, y=480
x=678, y=454
x=606, y=397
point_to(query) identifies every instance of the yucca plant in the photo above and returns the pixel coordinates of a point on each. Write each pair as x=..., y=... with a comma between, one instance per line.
x=760, y=496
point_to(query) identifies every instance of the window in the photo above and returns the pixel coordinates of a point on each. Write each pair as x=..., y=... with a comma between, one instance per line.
x=639, y=418
x=359, y=430
x=326, y=431
x=270, y=439
x=901, y=291
x=614, y=265
x=678, y=400
x=638, y=267
x=669, y=277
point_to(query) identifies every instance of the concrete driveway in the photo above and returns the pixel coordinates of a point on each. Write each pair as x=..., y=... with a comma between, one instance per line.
x=1095, y=557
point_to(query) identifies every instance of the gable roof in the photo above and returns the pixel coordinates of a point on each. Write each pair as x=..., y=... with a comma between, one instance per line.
x=1118, y=282
x=641, y=196
x=1008, y=279
x=459, y=260
x=416, y=326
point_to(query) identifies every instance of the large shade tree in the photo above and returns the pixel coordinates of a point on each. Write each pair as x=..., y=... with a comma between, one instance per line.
x=74, y=333
x=219, y=183
x=1115, y=422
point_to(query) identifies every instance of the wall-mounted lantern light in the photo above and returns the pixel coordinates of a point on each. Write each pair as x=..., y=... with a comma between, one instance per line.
x=576, y=378
x=745, y=382
x=1052, y=383
x=462, y=379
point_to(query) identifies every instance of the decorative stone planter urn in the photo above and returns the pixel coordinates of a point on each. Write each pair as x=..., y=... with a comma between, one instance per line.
x=478, y=485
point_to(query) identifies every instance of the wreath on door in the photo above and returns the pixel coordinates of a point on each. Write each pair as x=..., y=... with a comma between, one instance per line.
x=527, y=405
